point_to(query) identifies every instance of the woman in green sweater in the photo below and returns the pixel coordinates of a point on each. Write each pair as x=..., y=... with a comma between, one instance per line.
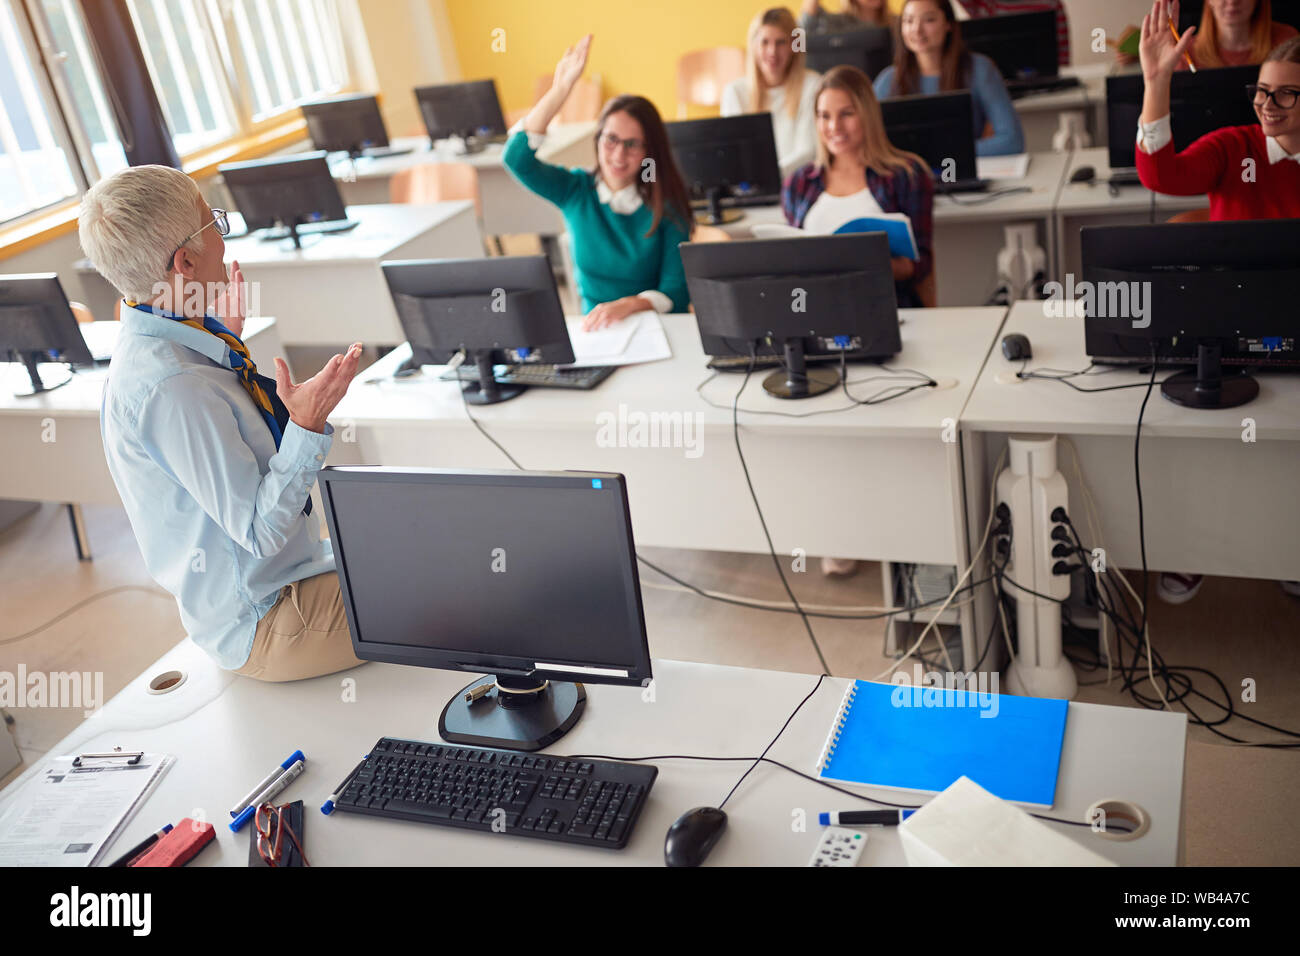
x=627, y=216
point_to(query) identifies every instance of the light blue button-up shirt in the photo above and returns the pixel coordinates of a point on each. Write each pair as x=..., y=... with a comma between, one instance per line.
x=217, y=511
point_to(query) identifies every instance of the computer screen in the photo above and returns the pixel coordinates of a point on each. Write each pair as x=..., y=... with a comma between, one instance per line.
x=291, y=191
x=461, y=109
x=1023, y=45
x=939, y=127
x=870, y=49
x=1199, y=103
x=347, y=123
x=37, y=326
x=730, y=158
x=527, y=573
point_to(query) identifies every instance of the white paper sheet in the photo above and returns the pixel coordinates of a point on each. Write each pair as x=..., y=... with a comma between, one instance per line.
x=647, y=343
x=1014, y=166
x=69, y=816
x=600, y=344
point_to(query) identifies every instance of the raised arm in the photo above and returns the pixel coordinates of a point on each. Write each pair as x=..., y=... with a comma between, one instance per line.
x=1160, y=55
x=567, y=73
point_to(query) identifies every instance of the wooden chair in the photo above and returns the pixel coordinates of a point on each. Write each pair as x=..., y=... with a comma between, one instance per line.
x=439, y=182
x=1191, y=215
x=706, y=233
x=702, y=75
x=81, y=312
x=927, y=290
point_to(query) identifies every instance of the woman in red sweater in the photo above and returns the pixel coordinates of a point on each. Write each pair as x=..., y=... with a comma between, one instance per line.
x=1249, y=172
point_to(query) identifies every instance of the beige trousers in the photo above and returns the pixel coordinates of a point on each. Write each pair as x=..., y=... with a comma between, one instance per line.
x=305, y=634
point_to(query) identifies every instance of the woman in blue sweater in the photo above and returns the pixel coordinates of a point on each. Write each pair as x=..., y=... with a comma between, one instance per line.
x=627, y=216
x=929, y=57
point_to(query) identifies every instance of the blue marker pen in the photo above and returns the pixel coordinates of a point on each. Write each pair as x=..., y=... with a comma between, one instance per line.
x=864, y=818
x=270, y=793
x=266, y=782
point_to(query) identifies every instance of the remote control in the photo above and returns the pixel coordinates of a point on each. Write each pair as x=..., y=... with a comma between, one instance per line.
x=839, y=846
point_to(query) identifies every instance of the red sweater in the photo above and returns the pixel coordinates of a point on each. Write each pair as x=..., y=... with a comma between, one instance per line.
x=1214, y=165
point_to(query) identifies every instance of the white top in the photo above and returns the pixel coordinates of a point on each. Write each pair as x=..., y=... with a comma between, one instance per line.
x=829, y=212
x=796, y=137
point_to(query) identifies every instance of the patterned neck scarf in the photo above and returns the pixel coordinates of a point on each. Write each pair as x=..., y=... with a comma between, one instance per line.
x=260, y=388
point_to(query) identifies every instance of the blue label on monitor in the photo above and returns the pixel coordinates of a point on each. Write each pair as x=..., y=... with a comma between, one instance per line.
x=595, y=482
x=315, y=216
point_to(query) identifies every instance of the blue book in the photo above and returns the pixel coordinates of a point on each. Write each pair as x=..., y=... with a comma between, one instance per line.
x=896, y=225
x=914, y=737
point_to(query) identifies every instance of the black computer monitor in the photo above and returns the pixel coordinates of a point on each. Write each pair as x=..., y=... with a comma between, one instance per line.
x=1199, y=103
x=350, y=124
x=727, y=161
x=527, y=576
x=870, y=49
x=1023, y=45
x=1214, y=284
x=801, y=296
x=470, y=110
x=500, y=310
x=37, y=326
x=938, y=127
x=297, y=193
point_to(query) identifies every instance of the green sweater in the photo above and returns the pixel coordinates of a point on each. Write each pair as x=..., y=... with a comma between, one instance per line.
x=611, y=252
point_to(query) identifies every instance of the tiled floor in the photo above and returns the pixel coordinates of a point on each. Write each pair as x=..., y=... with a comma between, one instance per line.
x=1239, y=801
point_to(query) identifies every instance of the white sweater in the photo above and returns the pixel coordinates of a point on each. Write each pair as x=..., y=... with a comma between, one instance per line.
x=796, y=138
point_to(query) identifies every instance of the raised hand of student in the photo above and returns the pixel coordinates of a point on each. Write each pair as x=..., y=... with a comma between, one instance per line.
x=1157, y=50
x=569, y=70
x=310, y=402
x=607, y=313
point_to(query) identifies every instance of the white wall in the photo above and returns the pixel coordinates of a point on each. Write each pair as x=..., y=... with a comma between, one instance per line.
x=1109, y=15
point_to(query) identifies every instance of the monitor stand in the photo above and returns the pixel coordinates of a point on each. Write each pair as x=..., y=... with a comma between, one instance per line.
x=794, y=380
x=1208, y=387
x=515, y=713
x=51, y=380
x=317, y=229
x=487, y=390
x=715, y=215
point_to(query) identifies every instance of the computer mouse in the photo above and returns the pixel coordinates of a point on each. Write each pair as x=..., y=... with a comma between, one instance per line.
x=1084, y=174
x=1016, y=347
x=692, y=836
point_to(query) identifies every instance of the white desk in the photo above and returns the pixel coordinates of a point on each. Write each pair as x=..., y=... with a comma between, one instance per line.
x=227, y=730
x=332, y=291
x=508, y=207
x=968, y=229
x=71, y=468
x=876, y=482
x=1040, y=113
x=1213, y=503
x=1091, y=204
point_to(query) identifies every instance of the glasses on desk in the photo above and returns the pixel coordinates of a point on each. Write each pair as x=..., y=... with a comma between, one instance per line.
x=271, y=828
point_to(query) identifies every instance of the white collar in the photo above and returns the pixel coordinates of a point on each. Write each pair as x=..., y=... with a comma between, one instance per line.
x=626, y=201
x=1276, y=153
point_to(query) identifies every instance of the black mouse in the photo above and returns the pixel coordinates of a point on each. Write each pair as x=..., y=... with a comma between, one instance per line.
x=692, y=836
x=1084, y=174
x=1016, y=347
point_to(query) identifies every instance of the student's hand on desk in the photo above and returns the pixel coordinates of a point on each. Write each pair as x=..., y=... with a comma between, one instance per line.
x=607, y=313
x=1157, y=50
x=569, y=70
x=310, y=402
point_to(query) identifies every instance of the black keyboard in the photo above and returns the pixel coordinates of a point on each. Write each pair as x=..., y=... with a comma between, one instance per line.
x=1124, y=177
x=546, y=376
x=588, y=802
x=961, y=186
x=741, y=363
x=1049, y=84
x=733, y=202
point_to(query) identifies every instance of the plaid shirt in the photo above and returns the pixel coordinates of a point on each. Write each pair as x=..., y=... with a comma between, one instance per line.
x=912, y=195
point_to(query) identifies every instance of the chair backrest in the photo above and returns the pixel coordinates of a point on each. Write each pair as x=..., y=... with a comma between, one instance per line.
x=706, y=233
x=1192, y=215
x=702, y=75
x=583, y=104
x=436, y=182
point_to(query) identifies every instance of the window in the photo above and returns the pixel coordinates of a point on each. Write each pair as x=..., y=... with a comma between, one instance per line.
x=292, y=51
x=34, y=161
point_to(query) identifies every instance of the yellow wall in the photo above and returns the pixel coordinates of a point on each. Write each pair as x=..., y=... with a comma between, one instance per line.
x=635, y=48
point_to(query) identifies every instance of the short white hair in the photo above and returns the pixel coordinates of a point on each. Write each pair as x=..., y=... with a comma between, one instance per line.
x=132, y=222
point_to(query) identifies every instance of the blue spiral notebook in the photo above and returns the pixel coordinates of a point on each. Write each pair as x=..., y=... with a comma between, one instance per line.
x=906, y=737
x=896, y=225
